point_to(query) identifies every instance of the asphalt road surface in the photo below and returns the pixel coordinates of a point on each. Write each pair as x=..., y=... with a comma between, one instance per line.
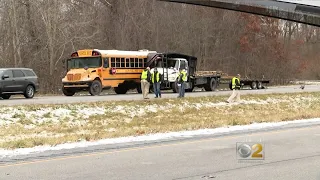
x=292, y=153
x=78, y=99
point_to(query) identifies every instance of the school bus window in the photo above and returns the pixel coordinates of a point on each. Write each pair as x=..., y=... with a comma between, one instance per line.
x=145, y=62
x=118, y=62
x=106, y=62
x=140, y=62
x=113, y=62
x=123, y=62
x=132, y=62
x=136, y=62
x=127, y=62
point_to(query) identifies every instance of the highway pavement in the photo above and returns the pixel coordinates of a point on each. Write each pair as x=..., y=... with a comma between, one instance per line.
x=87, y=98
x=289, y=153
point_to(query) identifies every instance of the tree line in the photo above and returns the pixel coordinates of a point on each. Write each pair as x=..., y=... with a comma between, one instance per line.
x=39, y=34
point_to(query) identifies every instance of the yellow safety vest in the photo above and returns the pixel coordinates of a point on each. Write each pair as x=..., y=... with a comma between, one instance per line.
x=184, y=76
x=234, y=85
x=157, y=76
x=144, y=75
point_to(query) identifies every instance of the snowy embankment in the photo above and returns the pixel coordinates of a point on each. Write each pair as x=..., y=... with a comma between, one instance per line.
x=57, y=127
x=80, y=113
x=153, y=137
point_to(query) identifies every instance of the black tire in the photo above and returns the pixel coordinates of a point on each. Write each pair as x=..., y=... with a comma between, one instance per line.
x=253, y=85
x=151, y=90
x=29, y=92
x=139, y=90
x=211, y=86
x=68, y=92
x=121, y=89
x=95, y=88
x=259, y=85
x=230, y=85
x=174, y=87
x=6, y=96
x=191, y=89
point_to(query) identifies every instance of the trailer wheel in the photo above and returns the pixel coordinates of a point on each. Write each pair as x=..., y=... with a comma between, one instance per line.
x=259, y=86
x=254, y=85
x=211, y=86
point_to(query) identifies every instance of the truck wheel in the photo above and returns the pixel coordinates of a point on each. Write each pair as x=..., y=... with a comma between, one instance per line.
x=191, y=88
x=174, y=87
x=253, y=85
x=211, y=86
x=230, y=85
x=95, y=88
x=68, y=92
x=259, y=86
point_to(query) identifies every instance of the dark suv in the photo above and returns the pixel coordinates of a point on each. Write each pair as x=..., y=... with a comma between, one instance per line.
x=15, y=81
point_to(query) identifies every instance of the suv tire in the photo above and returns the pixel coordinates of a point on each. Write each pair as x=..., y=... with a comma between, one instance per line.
x=29, y=92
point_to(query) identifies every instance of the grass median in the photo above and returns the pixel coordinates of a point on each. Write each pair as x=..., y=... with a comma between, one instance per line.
x=34, y=125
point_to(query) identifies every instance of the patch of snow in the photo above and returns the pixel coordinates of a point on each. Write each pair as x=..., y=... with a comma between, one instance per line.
x=78, y=114
x=151, y=137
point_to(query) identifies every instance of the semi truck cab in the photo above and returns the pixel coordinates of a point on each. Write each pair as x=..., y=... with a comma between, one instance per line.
x=170, y=68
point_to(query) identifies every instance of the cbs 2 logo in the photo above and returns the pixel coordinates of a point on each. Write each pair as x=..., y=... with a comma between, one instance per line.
x=245, y=151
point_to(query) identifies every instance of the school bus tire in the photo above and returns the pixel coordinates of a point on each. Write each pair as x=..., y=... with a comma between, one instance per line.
x=121, y=89
x=139, y=90
x=68, y=92
x=95, y=88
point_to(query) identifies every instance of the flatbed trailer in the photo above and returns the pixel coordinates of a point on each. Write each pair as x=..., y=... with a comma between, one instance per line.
x=252, y=83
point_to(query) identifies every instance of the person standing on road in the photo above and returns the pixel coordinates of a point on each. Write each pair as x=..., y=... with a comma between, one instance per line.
x=236, y=86
x=182, y=79
x=156, y=79
x=145, y=82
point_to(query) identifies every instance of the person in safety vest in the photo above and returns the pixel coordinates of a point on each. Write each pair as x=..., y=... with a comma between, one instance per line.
x=182, y=79
x=236, y=86
x=156, y=79
x=145, y=82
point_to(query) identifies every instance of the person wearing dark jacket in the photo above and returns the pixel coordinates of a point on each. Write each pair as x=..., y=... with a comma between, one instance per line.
x=156, y=79
x=236, y=86
x=145, y=82
x=182, y=79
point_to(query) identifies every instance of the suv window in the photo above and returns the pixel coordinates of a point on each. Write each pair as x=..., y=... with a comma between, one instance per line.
x=9, y=73
x=17, y=73
x=29, y=73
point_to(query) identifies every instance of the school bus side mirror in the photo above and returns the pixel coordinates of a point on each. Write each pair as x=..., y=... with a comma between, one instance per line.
x=64, y=63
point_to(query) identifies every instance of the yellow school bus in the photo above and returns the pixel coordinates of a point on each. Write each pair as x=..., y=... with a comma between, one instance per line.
x=94, y=70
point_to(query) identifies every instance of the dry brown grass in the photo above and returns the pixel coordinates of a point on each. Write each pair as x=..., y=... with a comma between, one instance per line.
x=116, y=124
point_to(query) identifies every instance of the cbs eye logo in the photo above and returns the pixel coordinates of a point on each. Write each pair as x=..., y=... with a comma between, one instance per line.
x=248, y=150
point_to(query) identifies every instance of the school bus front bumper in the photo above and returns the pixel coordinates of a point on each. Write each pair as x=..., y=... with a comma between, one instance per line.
x=77, y=84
